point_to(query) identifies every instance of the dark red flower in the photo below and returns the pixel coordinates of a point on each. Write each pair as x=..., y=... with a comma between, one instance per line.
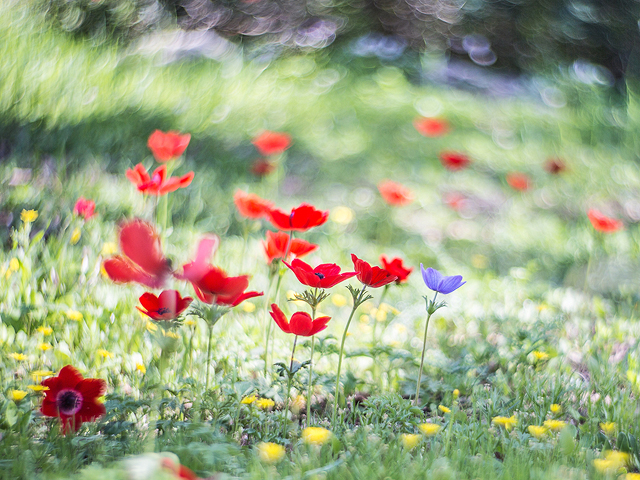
x=143, y=261
x=272, y=143
x=157, y=184
x=555, y=166
x=431, y=127
x=373, y=277
x=166, y=306
x=251, y=205
x=602, y=223
x=300, y=323
x=73, y=398
x=519, y=181
x=326, y=275
x=276, y=246
x=394, y=193
x=167, y=146
x=395, y=267
x=300, y=219
x=85, y=208
x=454, y=160
x=262, y=167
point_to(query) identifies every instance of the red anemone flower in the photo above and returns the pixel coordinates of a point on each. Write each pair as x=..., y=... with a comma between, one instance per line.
x=602, y=223
x=262, y=167
x=85, y=208
x=394, y=193
x=272, y=143
x=300, y=219
x=276, y=246
x=300, y=323
x=251, y=205
x=555, y=166
x=73, y=398
x=326, y=275
x=143, y=261
x=519, y=181
x=373, y=277
x=454, y=160
x=431, y=127
x=157, y=184
x=167, y=146
x=395, y=267
x=166, y=306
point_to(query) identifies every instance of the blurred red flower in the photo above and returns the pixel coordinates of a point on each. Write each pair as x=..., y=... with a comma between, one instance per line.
x=555, y=166
x=272, y=143
x=395, y=267
x=455, y=200
x=325, y=275
x=276, y=246
x=143, y=261
x=73, y=398
x=251, y=205
x=519, y=181
x=262, y=167
x=166, y=306
x=167, y=146
x=373, y=277
x=157, y=184
x=85, y=208
x=602, y=223
x=300, y=219
x=300, y=323
x=454, y=160
x=431, y=127
x=394, y=193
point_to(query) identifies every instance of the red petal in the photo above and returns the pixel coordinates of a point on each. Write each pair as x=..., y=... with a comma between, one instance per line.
x=319, y=324
x=150, y=302
x=68, y=377
x=91, y=388
x=279, y=318
x=49, y=408
x=300, y=324
x=141, y=244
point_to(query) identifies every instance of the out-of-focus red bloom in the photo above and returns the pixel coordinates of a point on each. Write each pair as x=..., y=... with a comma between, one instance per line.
x=325, y=275
x=73, y=398
x=373, y=277
x=272, y=143
x=394, y=193
x=143, y=261
x=300, y=323
x=276, y=246
x=300, y=219
x=251, y=205
x=166, y=306
x=519, y=181
x=85, y=208
x=179, y=471
x=455, y=200
x=602, y=223
x=431, y=127
x=157, y=184
x=555, y=166
x=262, y=167
x=167, y=146
x=454, y=160
x=395, y=267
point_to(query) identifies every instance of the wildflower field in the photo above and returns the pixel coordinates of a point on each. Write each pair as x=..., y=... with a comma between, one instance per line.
x=312, y=266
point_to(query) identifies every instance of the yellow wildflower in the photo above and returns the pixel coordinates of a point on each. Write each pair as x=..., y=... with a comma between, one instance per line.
x=609, y=428
x=37, y=388
x=456, y=393
x=18, y=356
x=410, y=440
x=14, y=265
x=444, y=409
x=265, y=403
x=619, y=458
x=364, y=319
x=380, y=315
x=338, y=300
x=611, y=462
x=75, y=236
x=315, y=435
x=44, y=346
x=555, y=408
x=151, y=327
x=342, y=215
x=17, y=395
x=109, y=248
x=105, y=353
x=141, y=368
x=171, y=334
x=270, y=452
x=38, y=374
x=430, y=429
x=479, y=261
x=555, y=425
x=74, y=315
x=248, y=400
x=539, y=356
x=45, y=330
x=631, y=476
x=190, y=322
x=537, y=431
x=29, y=216
x=248, y=307
x=507, y=422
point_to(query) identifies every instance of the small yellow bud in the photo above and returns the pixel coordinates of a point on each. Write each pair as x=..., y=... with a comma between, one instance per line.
x=45, y=330
x=609, y=428
x=17, y=395
x=430, y=429
x=44, y=346
x=141, y=368
x=555, y=408
x=444, y=409
x=75, y=236
x=37, y=388
x=104, y=353
x=74, y=315
x=410, y=440
x=14, y=265
x=29, y=216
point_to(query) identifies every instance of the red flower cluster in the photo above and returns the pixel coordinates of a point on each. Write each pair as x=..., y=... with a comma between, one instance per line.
x=326, y=275
x=519, y=181
x=251, y=205
x=157, y=184
x=395, y=267
x=373, y=277
x=85, y=208
x=167, y=306
x=431, y=127
x=272, y=143
x=454, y=160
x=276, y=246
x=300, y=323
x=167, y=146
x=602, y=223
x=394, y=193
x=300, y=219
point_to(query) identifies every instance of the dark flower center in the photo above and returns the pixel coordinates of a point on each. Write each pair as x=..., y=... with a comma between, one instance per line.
x=319, y=275
x=163, y=311
x=69, y=401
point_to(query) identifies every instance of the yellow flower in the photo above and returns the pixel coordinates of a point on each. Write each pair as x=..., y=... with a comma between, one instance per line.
x=540, y=356
x=74, y=315
x=38, y=388
x=14, y=265
x=537, y=431
x=17, y=395
x=456, y=393
x=265, y=403
x=338, y=300
x=248, y=400
x=555, y=408
x=248, y=307
x=444, y=409
x=479, y=261
x=109, y=248
x=29, y=216
x=611, y=462
x=609, y=428
x=190, y=322
x=18, y=356
x=410, y=440
x=619, y=458
x=44, y=346
x=430, y=429
x=170, y=334
x=364, y=319
x=507, y=422
x=45, y=330
x=631, y=476
x=75, y=236
x=151, y=327
x=315, y=435
x=38, y=374
x=555, y=425
x=271, y=452
x=104, y=353
x=141, y=368
x=342, y=215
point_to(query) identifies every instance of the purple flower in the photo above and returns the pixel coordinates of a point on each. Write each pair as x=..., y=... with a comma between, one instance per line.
x=439, y=283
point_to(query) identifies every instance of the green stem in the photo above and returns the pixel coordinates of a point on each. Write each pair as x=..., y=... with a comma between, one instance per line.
x=424, y=347
x=375, y=319
x=206, y=384
x=313, y=344
x=285, y=409
x=269, y=323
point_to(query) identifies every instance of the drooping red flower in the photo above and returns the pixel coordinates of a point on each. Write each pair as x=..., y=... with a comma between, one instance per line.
x=142, y=260
x=394, y=193
x=251, y=205
x=396, y=267
x=73, y=398
x=157, y=184
x=271, y=143
x=276, y=246
x=325, y=275
x=166, y=306
x=555, y=166
x=167, y=146
x=85, y=208
x=300, y=323
x=519, y=181
x=262, y=167
x=431, y=127
x=602, y=223
x=454, y=160
x=300, y=219
x=373, y=277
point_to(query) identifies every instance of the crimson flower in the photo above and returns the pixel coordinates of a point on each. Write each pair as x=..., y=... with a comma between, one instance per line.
x=326, y=275
x=519, y=181
x=394, y=193
x=454, y=160
x=73, y=398
x=251, y=205
x=431, y=127
x=157, y=184
x=395, y=267
x=602, y=223
x=143, y=261
x=272, y=143
x=373, y=277
x=85, y=208
x=555, y=166
x=166, y=306
x=300, y=219
x=167, y=146
x=300, y=323
x=262, y=167
x=276, y=246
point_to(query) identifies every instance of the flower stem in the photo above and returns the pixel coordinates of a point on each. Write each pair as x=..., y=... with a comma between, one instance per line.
x=206, y=383
x=375, y=320
x=313, y=344
x=285, y=409
x=424, y=348
x=269, y=323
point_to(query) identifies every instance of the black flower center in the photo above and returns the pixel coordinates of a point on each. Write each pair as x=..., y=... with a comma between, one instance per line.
x=163, y=311
x=319, y=275
x=69, y=401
